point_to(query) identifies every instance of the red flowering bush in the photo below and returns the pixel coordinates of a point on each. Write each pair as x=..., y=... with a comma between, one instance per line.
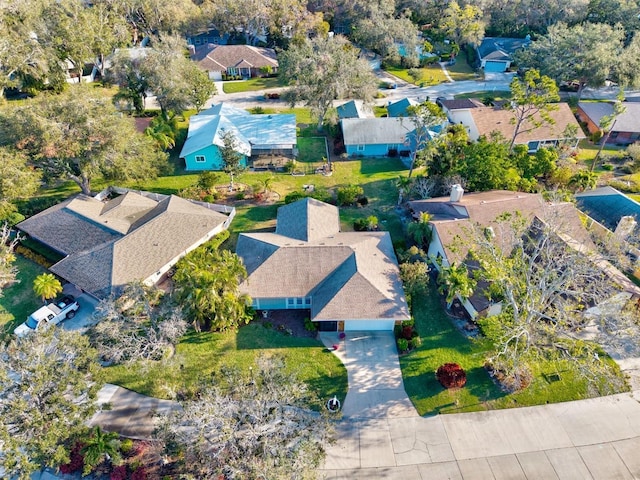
x=76, y=462
x=139, y=473
x=119, y=473
x=451, y=375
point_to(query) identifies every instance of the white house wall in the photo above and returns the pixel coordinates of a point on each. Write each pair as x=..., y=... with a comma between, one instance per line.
x=155, y=278
x=465, y=118
x=436, y=250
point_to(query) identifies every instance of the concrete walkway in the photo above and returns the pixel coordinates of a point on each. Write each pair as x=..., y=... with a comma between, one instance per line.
x=130, y=414
x=588, y=439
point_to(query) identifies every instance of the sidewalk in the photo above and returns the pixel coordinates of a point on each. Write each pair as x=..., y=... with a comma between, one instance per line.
x=588, y=439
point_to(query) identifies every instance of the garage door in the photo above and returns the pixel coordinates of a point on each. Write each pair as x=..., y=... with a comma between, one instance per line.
x=368, y=325
x=495, y=67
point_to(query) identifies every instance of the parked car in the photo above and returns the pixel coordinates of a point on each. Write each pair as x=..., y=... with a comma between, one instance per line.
x=51, y=314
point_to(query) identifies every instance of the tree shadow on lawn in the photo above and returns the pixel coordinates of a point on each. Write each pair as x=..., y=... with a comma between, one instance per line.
x=371, y=166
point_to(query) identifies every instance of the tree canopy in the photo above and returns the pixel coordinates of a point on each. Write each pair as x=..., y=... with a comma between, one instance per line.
x=322, y=70
x=207, y=286
x=48, y=385
x=249, y=426
x=79, y=135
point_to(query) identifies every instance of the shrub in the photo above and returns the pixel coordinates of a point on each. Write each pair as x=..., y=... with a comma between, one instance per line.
x=76, y=460
x=208, y=180
x=210, y=198
x=309, y=325
x=139, y=473
x=258, y=110
x=349, y=195
x=363, y=201
x=403, y=345
x=267, y=325
x=240, y=196
x=608, y=167
x=360, y=225
x=407, y=332
x=126, y=445
x=415, y=342
x=397, y=331
x=451, y=375
x=31, y=255
x=119, y=473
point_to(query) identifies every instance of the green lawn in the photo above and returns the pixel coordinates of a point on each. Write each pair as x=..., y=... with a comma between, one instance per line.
x=312, y=149
x=495, y=94
x=443, y=343
x=18, y=300
x=433, y=74
x=461, y=71
x=199, y=356
x=251, y=85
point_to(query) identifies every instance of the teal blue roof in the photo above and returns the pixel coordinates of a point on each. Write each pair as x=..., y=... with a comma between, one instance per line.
x=399, y=108
x=607, y=206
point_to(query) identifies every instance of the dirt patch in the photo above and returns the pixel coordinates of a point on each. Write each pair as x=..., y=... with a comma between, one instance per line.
x=289, y=322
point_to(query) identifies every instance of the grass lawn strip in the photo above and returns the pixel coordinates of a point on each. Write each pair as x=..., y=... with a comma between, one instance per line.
x=554, y=380
x=250, y=85
x=200, y=356
x=18, y=300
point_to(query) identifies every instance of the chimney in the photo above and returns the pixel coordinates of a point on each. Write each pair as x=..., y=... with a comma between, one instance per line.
x=456, y=193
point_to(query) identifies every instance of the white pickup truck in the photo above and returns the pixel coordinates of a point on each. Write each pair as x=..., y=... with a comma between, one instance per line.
x=51, y=314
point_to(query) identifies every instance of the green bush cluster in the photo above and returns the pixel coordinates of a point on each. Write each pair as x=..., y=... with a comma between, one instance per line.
x=309, y=325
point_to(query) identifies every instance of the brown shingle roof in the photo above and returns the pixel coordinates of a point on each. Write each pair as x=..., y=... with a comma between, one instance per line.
x=348, y=275
x=148, y=234
x=453, y=221
x=219, y=58
x=490, y=119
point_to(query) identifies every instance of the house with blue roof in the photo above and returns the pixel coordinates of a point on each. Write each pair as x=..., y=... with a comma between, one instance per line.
x=399, y=108
x=354, y=109
x=255, y=135
x=496, y=53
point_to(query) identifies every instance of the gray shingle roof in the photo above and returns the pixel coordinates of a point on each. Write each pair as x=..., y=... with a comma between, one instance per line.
x=348, y=275
x=220, y=57
x=500, y=48
x=372, y=131
x=308, y=220
x=628, y=121
x=98, y=259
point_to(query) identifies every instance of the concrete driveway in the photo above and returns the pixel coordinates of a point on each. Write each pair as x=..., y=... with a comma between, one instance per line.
x=381, y=437
x=376, y=389
x=84, y=316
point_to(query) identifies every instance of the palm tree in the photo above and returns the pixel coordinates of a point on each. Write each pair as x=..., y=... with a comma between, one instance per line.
x=163, y=132
x=420, y=230
x=46, y=286
x=207, y=283
x=455, y=282
x=404, y=186
x=100, y=446
x=267, y=183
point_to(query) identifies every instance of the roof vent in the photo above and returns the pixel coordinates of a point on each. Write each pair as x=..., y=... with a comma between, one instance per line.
x=456, y=193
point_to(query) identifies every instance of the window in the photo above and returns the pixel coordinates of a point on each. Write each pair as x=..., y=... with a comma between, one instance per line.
x=200, y=159
x=360, y=148
x=299, y=301
x=307, y=301
x=291, y=302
